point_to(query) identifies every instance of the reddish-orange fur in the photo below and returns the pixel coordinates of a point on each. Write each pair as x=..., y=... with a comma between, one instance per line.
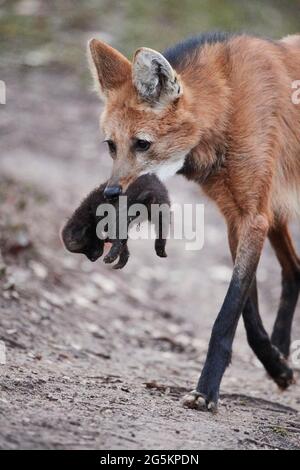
x=235, y=122
x=236, y=97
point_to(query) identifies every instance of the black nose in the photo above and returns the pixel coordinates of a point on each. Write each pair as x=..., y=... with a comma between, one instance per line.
x=112, y=192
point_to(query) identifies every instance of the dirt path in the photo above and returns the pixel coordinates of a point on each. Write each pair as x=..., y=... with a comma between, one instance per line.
x=100, y=359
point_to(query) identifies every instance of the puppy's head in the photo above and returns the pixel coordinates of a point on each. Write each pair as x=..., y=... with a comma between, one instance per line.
x=79, y=236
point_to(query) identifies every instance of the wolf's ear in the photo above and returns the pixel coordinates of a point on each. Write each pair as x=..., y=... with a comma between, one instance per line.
x=154, y=78
x=109, y=67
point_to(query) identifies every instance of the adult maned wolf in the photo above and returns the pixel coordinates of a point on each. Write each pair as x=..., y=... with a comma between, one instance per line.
x=217, y=109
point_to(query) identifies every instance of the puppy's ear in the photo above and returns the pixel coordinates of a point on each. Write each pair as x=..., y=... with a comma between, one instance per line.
x=154, y=78
x=109, y=67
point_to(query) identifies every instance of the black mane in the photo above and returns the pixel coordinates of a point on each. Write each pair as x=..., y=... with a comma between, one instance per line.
x=177, y=53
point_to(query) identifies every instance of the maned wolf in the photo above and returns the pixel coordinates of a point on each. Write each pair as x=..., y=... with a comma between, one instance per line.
x=218, y=109
x=80, y=232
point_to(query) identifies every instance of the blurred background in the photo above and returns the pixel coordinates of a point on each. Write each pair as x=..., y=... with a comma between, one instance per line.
x=41, y=33
x=119, y=348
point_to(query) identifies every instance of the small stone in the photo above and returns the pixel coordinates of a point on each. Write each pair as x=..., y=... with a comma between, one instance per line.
x=39, y=270
x=10, y=284
x=19, y=242
x=45, y=305
x=104, y=283
x=15, y=295
x=11, y=331
x=54, y=299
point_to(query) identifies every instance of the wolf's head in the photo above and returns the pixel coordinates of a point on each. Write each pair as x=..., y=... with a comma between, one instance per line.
x=147, y=120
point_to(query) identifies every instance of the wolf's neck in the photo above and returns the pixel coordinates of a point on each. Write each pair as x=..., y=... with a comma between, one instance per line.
x=206, y=82
x=200, y=169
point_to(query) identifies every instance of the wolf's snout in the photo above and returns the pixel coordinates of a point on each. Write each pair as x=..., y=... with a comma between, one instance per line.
x=112, y=192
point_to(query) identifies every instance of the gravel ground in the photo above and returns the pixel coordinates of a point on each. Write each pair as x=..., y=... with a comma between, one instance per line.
x=99, y=359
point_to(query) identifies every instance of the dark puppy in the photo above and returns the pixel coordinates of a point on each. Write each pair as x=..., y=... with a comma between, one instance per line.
x=79, y=234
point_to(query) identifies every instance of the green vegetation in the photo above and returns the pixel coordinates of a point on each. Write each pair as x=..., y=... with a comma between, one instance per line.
x=160, y=23
x=280, y=431
x=39, y=33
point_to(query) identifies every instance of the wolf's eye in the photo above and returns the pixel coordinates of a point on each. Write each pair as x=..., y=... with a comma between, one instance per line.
x=142, y=145
x=111, y=145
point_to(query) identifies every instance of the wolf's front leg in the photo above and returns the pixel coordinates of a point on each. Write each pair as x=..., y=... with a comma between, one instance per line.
x=252, y=233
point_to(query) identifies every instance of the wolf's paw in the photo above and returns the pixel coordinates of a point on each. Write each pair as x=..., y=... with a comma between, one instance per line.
x=286, y=376
x=197, y=401
x=279, y=369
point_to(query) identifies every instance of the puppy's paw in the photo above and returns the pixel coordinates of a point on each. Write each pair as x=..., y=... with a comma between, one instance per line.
x=161, y=253
x=113, y=253
x=160, y=247
x=123, y=259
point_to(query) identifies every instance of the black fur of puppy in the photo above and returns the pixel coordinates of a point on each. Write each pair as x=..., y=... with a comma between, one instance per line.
x=79, y=234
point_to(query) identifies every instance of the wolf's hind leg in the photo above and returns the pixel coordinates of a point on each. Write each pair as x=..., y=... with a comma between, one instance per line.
x=259, y=341
x=282, y=243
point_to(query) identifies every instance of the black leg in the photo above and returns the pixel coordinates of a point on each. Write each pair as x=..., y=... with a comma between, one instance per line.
x=257, y=336
x=261, y=345
x=252, y=234
x=282, y=243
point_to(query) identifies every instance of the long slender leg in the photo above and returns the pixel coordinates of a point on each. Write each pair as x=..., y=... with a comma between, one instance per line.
x=257, y=336
x=282, y=243
x=251, y=237
x=260, y=343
